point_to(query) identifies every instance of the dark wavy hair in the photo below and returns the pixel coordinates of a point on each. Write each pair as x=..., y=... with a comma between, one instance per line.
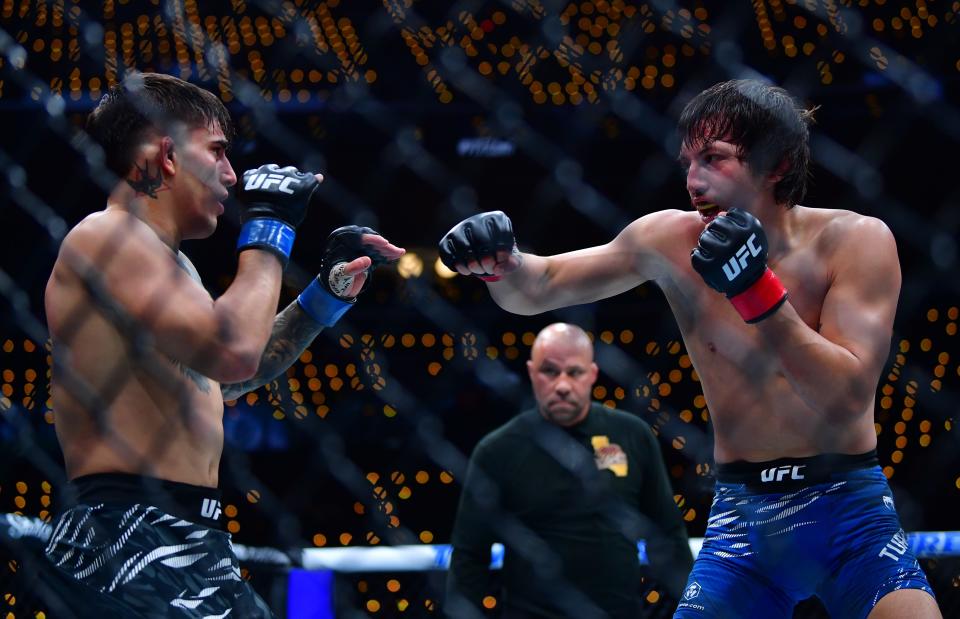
x=146, y=102
x=766, y=123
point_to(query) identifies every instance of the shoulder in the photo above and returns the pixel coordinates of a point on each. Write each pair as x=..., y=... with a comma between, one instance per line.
x=187, y=266
x=109, y=227
x=859, y=252
x=847, y=239
x=663, y=238
x=836, y=228
x=625, y=421
x=123, y=250
x=666, y=227
x=508, y=435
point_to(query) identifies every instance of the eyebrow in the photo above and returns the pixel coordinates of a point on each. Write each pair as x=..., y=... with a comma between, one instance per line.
x=705, y=147
x=558, y=366
x=222, y=142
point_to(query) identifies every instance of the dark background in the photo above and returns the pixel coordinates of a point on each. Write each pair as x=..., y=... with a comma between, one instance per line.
x=336, y=463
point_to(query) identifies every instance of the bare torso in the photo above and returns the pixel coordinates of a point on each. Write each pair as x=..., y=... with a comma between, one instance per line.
x=756, y=413
x=117, y=411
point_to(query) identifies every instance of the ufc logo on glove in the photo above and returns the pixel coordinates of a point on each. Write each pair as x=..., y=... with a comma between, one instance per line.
x=737, y=263
x=264, y=181
x=731, y=256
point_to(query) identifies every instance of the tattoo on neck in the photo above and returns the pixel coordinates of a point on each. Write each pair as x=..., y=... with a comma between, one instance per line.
x=145, y=182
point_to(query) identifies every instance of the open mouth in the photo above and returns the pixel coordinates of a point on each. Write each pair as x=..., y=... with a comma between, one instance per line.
x=708, y=210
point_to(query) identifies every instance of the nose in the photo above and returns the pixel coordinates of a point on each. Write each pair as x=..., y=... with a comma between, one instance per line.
x=228, y=177
x=695, y=185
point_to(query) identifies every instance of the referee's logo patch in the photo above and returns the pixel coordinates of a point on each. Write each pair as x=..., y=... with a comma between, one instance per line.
x=609, y=456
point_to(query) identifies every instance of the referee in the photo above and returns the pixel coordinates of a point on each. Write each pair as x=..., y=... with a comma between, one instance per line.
x=569, y=488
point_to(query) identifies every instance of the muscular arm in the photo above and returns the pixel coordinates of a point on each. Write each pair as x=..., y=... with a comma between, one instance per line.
x=835, y=369
x=118, y=254
x=543, y=283
x=293, y=330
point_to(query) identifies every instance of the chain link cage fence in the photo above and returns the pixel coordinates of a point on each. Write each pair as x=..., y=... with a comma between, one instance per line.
x=563, y=115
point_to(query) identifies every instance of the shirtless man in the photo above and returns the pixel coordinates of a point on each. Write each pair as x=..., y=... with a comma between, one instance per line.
x=144, y=357
x=801, y=505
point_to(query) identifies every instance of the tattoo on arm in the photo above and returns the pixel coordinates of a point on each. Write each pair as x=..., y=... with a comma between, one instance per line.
x=293, y=330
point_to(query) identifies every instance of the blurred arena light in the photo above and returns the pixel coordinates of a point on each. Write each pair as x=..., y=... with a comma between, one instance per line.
x=410, y=265
x=441, y=270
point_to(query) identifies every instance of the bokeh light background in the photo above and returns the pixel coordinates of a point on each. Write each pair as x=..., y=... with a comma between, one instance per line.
x=422, y=113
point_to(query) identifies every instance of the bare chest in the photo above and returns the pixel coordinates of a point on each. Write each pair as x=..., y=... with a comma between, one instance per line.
x=714, y=333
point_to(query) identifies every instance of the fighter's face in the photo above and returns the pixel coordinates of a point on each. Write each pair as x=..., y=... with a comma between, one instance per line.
x=206, y=175
x=719, y=179
x=562, y=374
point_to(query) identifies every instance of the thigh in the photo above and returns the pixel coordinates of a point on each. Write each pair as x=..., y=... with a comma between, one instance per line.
x=869, y=574
x=906, y=603
x=725, y=589
x=152, y=564
x=871, y=556
x=728, y=579
x=189, y=570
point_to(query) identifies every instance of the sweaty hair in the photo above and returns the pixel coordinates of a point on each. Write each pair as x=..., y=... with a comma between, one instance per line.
x=765, y=122
x=150, y=102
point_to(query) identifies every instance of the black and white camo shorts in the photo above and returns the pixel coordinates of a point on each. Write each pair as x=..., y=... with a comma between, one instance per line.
x=138, y=560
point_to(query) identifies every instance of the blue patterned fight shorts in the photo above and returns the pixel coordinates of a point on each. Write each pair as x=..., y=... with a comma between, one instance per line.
x=784, y=530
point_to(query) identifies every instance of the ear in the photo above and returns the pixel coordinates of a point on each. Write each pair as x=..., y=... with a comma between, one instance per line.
x=594, y=372
x=168, y=159
x=779, y=172
x=530, y=369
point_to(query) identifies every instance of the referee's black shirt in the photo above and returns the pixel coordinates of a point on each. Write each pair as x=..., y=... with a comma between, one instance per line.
x=569, y=504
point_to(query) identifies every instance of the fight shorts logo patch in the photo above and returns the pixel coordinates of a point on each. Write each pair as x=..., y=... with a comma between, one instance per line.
x=692, y=591
x=210, y=509
x=778, y=473
x=609, y=456
x=888, y=502
x=896, y=547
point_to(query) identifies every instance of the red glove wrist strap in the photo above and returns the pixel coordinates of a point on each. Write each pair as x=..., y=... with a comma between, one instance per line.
x=762, y=298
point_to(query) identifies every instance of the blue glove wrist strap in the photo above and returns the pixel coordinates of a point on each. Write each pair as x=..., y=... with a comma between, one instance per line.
x=322, y=306
x=269, y=234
